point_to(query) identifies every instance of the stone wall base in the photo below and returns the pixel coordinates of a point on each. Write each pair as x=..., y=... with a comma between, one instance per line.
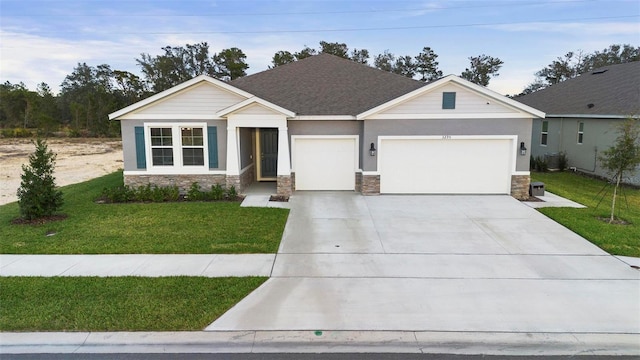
x=370, y=185
x=183, y=182
x=284, y=185
x=359, y=182
x=520, y=186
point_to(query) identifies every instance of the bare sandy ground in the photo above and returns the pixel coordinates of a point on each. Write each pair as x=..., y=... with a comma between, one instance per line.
x=77, y=160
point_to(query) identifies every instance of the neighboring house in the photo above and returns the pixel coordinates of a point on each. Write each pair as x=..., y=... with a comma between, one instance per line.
x=582, y=115
x=326, y=123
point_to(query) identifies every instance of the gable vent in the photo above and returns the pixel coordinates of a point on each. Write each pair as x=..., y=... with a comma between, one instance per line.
x=599, y=72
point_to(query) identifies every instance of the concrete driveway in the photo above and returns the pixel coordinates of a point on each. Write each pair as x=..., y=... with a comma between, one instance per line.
x=436, y=263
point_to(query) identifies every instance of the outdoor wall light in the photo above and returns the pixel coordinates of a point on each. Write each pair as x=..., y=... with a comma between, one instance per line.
x=523, y=150
x=372, y=150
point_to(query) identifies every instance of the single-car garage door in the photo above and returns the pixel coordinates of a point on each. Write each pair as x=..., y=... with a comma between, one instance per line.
x=324, y=163
x=457, y=165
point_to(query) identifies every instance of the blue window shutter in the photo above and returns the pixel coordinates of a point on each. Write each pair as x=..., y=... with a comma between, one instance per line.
x=448, y=100
x=141, y=160
x=212, y=136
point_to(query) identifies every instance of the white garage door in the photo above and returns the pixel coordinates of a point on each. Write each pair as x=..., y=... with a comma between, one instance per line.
x=445, y=166
x=324, y=163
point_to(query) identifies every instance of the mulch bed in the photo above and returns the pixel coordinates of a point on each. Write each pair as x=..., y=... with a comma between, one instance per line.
x=39, y=221
x=614, y=222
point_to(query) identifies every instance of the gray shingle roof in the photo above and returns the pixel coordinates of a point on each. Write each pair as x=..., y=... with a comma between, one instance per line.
x=326, y=85
x=613, y=90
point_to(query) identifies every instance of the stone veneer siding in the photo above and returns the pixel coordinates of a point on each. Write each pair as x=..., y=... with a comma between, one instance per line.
x=246, y=179
x=359, y=182
x=370, y=185
x=520, y=186
x=183, y=182
x=284, y=185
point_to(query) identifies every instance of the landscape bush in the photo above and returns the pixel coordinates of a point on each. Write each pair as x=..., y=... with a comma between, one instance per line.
x=38, y=196
x=154, y=193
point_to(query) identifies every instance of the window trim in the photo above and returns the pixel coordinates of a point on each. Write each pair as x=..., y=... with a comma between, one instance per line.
x=176, y=135
x=542, y=133
x=451, y=96
x=580, y=135
x=184, y=147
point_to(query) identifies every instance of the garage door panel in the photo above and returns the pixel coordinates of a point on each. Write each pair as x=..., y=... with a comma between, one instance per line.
x=325, y=164
x=434, y=166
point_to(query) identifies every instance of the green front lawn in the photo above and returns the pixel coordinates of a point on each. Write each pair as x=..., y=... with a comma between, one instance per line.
x=615, y=239
x=118, y=303
x=149, y=228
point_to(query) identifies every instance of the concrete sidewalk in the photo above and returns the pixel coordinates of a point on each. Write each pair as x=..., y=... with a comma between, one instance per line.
x=428, y=342
x=553, y=200
x=209, y=265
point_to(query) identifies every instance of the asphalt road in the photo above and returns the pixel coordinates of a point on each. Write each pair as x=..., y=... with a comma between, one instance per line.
x=290, y=356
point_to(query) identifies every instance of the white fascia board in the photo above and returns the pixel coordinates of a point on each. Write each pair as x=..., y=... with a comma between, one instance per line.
x=449, y=116
x=590, y=116
x=255, y=100
x=324, y=117
x=531, y=112
x=171, y=117
x=176, y=89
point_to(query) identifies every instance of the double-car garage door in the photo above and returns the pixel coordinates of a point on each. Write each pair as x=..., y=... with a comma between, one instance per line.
x=408, y=165
x=445, y=165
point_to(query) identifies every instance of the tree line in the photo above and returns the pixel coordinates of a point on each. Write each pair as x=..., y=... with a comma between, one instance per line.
x=90, y=93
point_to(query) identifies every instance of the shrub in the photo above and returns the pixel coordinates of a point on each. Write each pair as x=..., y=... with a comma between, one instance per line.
x=541, y=164
x=217, y=192
x=37, y=195
x=7, y=133
x=22, y=133
x=118, y=194
x=563, y=161
x=232, y=194
x=194, y=193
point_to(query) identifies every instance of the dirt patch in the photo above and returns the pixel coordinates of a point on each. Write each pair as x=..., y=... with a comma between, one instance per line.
x=78, y=160
x=614, y=222
x=39, y=221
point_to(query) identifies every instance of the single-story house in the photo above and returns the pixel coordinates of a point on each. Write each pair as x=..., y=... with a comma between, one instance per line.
x=326, y=123
x=582, y=115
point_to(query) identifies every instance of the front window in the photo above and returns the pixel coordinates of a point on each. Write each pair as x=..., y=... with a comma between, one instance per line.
x=580, y=132
x=545, y=133
x=192, y=146
x=162, y=146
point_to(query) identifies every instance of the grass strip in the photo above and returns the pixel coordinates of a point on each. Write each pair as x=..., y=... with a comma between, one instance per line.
x=143, y=228
x=615, y=239
x=118, y=303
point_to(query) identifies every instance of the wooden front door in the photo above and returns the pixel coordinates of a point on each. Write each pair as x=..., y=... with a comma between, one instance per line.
x=268, y=154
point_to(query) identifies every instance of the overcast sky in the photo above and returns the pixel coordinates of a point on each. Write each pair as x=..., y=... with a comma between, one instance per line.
x=42, y=40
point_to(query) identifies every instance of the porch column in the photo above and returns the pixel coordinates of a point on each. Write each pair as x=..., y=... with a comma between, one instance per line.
x=284, y=164
x=233, y=161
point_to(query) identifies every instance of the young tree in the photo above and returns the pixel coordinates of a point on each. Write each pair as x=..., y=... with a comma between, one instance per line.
x=37, y=195
x=427, y=66
x=623, y=157
x=482, y=68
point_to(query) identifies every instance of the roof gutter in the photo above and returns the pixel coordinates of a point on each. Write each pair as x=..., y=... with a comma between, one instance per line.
x=591, y=116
